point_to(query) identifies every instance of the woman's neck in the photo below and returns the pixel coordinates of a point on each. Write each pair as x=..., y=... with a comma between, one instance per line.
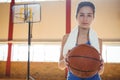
x=82, y=35
x=83, y=31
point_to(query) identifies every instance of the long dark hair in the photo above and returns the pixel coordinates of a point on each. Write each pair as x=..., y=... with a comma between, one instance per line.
x=85, y=3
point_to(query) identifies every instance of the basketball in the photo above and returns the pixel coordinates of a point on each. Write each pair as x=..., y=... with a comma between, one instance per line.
x=83, y=61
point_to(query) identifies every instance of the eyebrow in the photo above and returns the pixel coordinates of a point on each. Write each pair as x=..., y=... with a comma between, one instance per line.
x=86, y=13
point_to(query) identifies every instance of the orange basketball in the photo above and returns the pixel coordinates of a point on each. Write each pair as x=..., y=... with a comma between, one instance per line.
x=83, y=61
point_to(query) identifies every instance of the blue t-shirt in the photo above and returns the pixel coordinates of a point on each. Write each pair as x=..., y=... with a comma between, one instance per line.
x=73, y=77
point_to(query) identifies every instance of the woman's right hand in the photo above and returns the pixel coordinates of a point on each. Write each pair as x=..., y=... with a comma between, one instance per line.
x=66, y=60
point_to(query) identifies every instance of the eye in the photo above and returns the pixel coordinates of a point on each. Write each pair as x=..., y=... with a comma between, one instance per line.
x=89, y=15
x=81, y=15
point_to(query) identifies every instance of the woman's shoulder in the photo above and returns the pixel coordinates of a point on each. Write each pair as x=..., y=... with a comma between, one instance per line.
x=100, y=40
x=66, y=35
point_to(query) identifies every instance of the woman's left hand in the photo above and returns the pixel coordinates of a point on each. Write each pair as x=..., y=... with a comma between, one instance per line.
x=101, y=69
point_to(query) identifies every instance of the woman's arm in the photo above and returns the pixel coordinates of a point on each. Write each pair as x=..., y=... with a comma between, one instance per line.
x=61, y=63
x=102, y=62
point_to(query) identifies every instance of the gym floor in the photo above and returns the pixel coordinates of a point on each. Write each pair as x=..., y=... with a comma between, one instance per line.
x=50, y=71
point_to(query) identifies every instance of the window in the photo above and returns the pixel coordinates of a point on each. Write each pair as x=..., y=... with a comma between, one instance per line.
x=111, y=53
x=5, y=1
x=19, y=52
x=38, y=52
x=45, y=53
x=28, y=0
x=51, y=52
x=3, y=52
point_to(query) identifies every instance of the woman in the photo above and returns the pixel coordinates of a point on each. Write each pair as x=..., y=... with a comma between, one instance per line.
x=85, y=15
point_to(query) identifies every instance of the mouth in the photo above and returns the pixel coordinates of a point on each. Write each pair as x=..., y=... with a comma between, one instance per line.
x=85, y=23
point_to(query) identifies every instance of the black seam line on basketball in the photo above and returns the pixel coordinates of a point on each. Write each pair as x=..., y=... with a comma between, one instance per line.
x=86, y=57
x=81, y=70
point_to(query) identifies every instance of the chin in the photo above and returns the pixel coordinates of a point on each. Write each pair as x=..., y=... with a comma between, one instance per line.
x=85, y=27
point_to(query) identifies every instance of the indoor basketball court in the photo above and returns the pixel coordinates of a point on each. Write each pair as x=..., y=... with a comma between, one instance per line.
x=31, y=33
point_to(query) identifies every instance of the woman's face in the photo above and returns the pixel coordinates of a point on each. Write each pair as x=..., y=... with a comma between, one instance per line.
x=85, y=17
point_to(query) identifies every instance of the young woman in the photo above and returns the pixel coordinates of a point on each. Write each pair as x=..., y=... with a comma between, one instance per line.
x=84, y=16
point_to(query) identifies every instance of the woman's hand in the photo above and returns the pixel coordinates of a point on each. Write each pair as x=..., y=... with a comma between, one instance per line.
x=101, y=69
x=66, y=60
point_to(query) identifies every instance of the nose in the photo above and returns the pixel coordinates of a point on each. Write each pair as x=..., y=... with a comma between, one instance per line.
x=85, y=19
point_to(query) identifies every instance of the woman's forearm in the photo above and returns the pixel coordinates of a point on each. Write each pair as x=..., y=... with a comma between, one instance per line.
x=61, y=64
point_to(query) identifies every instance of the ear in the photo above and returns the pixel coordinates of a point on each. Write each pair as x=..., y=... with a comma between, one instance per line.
x=76, y=17
x=93, y=15
x=93, y=18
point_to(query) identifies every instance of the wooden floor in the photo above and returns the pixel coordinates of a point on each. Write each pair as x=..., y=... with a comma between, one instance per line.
x=12, y=79
x=50, y=71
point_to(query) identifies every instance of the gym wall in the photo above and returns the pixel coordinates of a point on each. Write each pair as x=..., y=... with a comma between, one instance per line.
x=53, y=21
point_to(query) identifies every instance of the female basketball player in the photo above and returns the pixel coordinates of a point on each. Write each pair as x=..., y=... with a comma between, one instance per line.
x=84, y=16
